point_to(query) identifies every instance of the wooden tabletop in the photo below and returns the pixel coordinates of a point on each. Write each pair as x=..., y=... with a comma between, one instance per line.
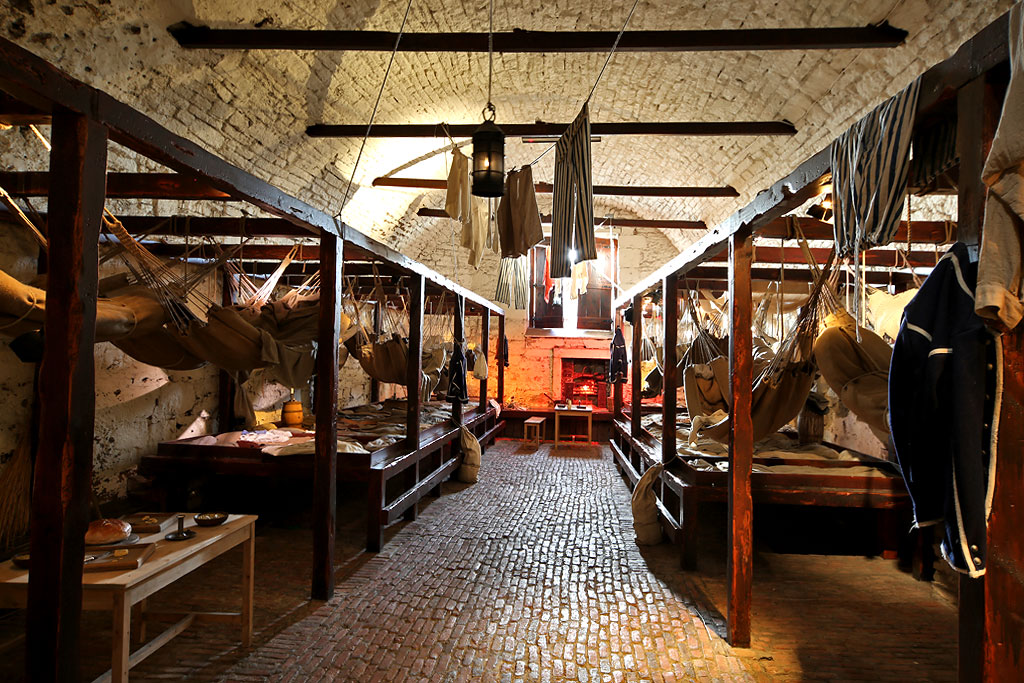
x=168, y=554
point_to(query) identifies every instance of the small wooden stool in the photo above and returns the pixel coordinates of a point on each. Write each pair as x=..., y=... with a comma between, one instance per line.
x=534, y=438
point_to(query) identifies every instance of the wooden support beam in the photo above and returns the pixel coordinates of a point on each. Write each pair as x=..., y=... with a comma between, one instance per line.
x=1003, y=626
x=62, y=485
x=485, y=337
x=604, y=222
x=414, y=367
x=977, y=118
x=542, y=129
x=520, y=41
x=459, y=334
x=740, y=544
x=635, y=406
x=225, y=385
x=707, y=274
x=607, y=190
x=502, y=360
x=120, y=186
x=378, y=326
x=670, y=313
x=325, y=464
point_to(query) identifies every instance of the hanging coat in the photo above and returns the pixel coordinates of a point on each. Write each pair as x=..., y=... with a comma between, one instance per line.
x=945, y=385
x=618, y=367
x=457, y=377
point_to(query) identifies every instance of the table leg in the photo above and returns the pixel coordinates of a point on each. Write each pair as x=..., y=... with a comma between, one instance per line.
x=556, y=429
x=120, y=650
x=248, y=581
x=590, y=428
x=139, y=622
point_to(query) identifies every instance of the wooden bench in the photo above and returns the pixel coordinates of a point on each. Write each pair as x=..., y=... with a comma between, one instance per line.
x=533, y=431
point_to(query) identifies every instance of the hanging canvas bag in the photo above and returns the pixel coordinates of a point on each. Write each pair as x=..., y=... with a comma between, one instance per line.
x=469, y=471
x=645, y=508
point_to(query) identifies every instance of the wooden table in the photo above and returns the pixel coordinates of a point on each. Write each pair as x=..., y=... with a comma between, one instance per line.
x=126, y=591
x=560, y=412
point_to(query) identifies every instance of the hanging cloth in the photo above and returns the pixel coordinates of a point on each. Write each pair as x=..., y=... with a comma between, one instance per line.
x=462, y=206
x=579, y=280
x=504, y=351
x=869, y=173
x=618, y=368
x=572, y=222
x=518, y=221
x=457, y=377
x=1000, y=292
x=513, y=284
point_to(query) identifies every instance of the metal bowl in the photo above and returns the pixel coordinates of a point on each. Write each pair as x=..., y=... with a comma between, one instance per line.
x=210, y=518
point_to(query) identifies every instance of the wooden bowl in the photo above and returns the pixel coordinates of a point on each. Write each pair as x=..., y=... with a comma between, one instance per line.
x=210, y=518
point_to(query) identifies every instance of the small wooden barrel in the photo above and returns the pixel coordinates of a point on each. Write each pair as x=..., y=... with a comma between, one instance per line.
x=291, y=414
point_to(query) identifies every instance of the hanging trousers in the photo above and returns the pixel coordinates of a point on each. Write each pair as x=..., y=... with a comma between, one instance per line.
x=572, y=223
x=513, y=286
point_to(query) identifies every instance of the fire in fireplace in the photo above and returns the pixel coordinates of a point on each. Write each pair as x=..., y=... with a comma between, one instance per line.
x=585, y=381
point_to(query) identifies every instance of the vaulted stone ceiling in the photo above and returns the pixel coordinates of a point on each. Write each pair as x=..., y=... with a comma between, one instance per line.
x=252, y=107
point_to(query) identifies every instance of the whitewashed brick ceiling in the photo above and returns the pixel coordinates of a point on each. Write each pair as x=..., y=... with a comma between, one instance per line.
x=252, y=107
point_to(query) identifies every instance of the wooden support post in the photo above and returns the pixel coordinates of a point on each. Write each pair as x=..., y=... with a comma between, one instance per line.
x=414, y=368
x=325, y=464
x=635, y=406
x=485, y=335
x=375, y=384
x=459, y=334
x=741, y=443
x=501, y=359
x=977, y=118
x=1004, y=579
x=225, y=385
x=670, y=314
x=63, y=468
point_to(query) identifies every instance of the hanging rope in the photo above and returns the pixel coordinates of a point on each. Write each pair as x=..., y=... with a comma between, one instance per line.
x=607, y=59
x=373, y=114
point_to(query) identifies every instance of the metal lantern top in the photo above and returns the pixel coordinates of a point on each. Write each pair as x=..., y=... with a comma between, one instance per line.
x=488, y=158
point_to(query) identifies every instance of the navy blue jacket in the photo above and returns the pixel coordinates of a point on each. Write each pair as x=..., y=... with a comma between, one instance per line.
x=944, y=391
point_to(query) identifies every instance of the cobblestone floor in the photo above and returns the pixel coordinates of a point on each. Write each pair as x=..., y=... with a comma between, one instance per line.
x=532, y=575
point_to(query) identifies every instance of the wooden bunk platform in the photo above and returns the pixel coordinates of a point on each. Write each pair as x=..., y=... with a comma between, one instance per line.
x=397, y=476
x=683, y=488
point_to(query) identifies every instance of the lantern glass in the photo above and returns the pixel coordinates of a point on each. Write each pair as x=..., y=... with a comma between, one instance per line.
x=488, y=160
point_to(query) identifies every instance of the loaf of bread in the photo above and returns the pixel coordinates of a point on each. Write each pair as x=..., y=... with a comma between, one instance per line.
x=107, y=531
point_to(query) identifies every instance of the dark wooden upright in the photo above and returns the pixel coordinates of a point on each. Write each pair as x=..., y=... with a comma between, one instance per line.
x=374, y=383
x=225, y=385
x=459, y=334
x=502, y=359
x=485, y=335
x=670, y=316
x=1004, y=580
x=977, y=118
x=325, y=465
x=414, y=369
x=635, y=405
x=741, y=443
x=63, y=469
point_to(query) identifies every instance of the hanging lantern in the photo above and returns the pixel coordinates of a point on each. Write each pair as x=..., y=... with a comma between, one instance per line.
x=488, y=157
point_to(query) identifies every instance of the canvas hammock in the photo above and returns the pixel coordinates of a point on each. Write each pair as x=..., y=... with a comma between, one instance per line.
x=784, y=379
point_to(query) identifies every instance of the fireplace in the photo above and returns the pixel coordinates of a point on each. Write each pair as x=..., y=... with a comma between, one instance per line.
x=585, y=381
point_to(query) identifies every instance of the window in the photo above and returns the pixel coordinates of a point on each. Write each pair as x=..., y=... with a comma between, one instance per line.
x=551, y=307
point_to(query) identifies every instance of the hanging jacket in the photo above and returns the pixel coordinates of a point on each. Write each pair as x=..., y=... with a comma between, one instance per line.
x=504, y=351
x=457, y=377
x=618, y=368
x=945, y=382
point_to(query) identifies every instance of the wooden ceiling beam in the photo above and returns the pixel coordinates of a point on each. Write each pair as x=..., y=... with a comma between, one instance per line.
x=122, y=186
x=543, y=129
x=605, y=190
x=520, y=41
x=602, y=221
